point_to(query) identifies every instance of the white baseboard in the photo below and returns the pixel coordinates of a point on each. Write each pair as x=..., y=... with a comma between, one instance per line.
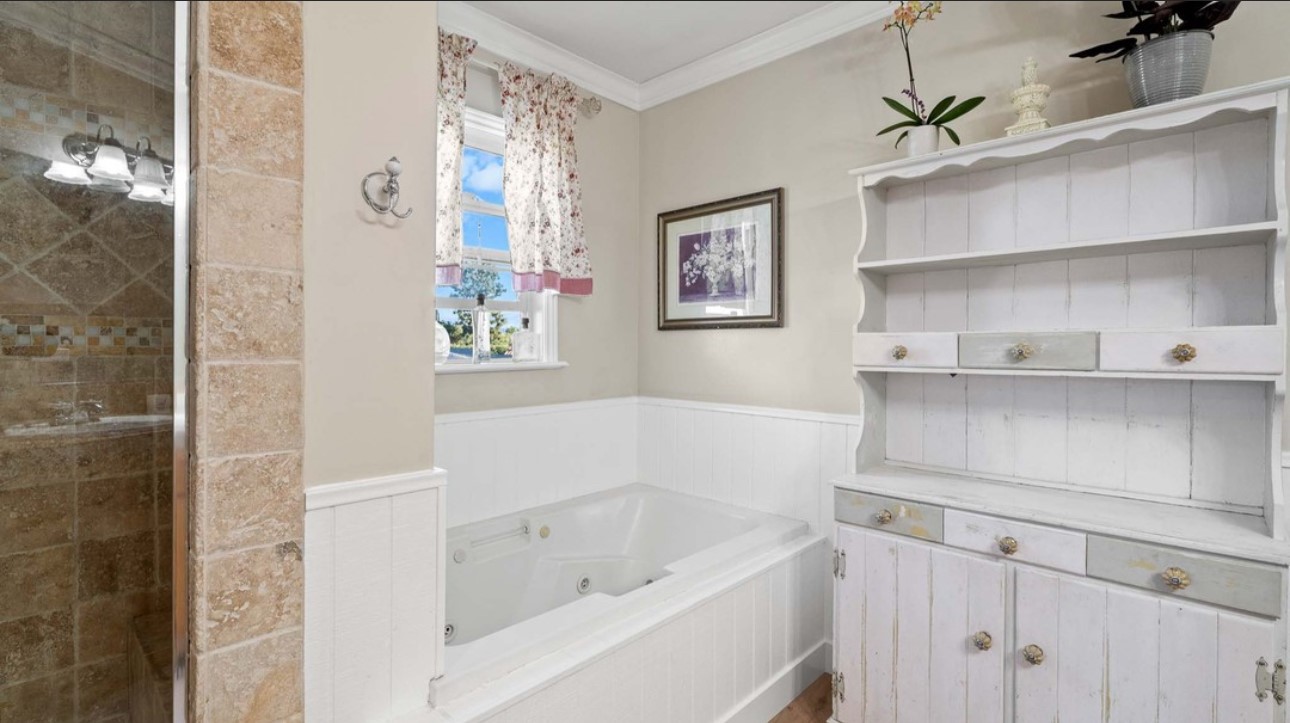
x=776, y=694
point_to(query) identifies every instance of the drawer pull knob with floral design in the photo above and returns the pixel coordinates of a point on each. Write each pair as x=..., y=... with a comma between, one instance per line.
x=1021, y=351
x=1183, y=353
x=884, y=517
x=899, y=352
x=1176, y=578
x=1033, y=654
x=982, y=641
x=1008, y=545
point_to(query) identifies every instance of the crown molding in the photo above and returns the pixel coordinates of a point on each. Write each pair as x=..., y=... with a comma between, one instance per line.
x=780, y=41
x=520, y=46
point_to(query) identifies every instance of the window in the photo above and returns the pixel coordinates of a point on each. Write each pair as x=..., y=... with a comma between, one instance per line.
x=486, y=262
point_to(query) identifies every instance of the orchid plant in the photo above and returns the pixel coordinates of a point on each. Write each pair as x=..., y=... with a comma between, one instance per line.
x=907, y=14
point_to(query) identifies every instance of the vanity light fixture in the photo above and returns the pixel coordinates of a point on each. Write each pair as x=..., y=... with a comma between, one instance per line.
x=149, y=176
x=109, y=158
x=65, y=172
x=105, y=165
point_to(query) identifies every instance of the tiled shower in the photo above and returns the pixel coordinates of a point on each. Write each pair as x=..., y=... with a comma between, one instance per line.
x=86, y=360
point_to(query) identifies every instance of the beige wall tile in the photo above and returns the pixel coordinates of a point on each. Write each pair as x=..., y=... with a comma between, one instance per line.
x=36, y=582
x=103, y=689
x=258, y=39
x=99, y=458
x=259, y=220
x=257, y=682
x=103, y=624
x=249, y=314
x=116, y=565
x=248, y=501
x=51, y=698
x=81, y=271
x=248, y=594
x=249, y=127
x=35, y=517
x=35, y=645
x=140, y=233
x=114, y=507
x=29, y=224
x=33, y=62
x=251, y=408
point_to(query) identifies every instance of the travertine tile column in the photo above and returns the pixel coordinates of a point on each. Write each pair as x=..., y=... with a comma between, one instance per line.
x=247, y=501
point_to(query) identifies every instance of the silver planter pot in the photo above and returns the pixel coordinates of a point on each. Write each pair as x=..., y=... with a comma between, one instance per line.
x=1169, y=67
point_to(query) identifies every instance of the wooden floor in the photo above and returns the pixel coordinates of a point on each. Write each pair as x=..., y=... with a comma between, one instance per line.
x=814, y=705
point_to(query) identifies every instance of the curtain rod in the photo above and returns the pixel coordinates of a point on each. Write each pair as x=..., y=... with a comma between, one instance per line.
x=589, y=104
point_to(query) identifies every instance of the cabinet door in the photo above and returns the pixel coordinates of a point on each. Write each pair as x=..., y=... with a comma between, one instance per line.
x=906, y=614
x=1119, y=656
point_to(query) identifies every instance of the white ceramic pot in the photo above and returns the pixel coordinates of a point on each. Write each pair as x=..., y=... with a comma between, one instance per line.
x=923, y=140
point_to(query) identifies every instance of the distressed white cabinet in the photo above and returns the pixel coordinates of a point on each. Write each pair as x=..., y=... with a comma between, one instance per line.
x=907, y=621
x=1120, y=656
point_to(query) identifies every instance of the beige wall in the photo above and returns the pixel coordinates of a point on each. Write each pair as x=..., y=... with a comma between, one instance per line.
x=803, y=121
x=369, y=349
x=598, y=332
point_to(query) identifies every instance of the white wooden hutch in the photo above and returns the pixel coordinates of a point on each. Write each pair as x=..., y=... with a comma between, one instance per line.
x=1071, y=354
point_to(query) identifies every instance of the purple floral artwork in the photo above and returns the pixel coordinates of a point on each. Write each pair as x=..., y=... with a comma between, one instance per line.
x=718, y=265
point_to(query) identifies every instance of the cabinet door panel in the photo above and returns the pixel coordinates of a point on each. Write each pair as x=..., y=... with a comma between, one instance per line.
x=1132, y=646
x=880, y=628
x=913, y=632
x=1081, y=655
x=986, y=591
x=950, y=634
x=1188, y=666
x=848, y=625
x=1036, y=624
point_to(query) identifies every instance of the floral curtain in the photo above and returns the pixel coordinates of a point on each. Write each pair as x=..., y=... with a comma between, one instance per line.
x=540, y=183
x=454, y=54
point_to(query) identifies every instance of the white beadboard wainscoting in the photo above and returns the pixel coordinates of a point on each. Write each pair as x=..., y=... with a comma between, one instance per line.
x=755, y=636
x=506, y=460
x=374, y=595
x=770, y=460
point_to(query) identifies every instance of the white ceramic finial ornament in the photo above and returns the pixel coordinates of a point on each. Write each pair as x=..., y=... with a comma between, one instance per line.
x=1029, y=101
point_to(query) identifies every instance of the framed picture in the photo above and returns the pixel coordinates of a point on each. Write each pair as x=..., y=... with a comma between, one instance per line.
x=720, y=265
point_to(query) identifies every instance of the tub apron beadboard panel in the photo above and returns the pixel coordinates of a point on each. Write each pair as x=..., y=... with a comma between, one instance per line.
x=374, y=595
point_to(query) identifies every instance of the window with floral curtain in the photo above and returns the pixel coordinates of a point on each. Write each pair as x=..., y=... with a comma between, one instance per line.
x=540, y=183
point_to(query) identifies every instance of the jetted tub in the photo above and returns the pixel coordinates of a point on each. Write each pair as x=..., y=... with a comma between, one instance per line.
x=524, y=585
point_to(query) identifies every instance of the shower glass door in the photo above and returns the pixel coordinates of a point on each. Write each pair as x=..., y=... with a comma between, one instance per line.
x=87, y=359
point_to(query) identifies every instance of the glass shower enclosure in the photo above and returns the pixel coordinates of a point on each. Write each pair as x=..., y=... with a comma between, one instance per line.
x=93, y=179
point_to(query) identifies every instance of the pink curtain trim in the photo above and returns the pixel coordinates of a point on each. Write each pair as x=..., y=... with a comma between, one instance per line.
x=551, y=280
x=447, y=275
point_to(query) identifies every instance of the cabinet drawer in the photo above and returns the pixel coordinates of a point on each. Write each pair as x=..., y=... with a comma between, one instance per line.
x=1230, y=350
x=1070, y=350
x=1047, y=546
x=890, y=515
x=1238, y=584
x=909, y=350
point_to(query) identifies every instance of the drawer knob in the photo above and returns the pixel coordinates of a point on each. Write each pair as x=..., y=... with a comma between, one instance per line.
x=884, y=517
x=1183, y=353
x=1021, y=351
x=1176, y=578
x=899, y=352
x=1008, y=545
x=982, y=640
x=1033, y=654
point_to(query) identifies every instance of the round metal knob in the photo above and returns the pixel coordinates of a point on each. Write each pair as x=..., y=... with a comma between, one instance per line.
x=1033, y=654
x=899, y=352
x=884, y=517
x=1021, y=351
x=1176, y=578
x=982, y=640
x=1008, y=545
x=1183, y=353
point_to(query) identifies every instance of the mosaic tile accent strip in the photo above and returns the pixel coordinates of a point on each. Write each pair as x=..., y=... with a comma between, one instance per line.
x=30, y=110
x=28, y=335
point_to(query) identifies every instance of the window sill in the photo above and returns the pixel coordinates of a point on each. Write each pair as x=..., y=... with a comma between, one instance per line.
x=462, y=368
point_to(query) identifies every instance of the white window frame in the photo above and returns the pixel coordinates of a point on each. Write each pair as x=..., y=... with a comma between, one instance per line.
x=486, y=132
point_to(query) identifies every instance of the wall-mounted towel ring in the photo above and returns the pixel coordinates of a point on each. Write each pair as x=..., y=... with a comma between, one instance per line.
x=391, y=187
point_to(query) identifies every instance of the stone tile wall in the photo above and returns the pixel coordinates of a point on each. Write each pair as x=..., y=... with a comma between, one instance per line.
x=246, y=562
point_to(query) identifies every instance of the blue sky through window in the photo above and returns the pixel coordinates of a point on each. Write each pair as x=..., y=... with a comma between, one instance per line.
x=481, y=174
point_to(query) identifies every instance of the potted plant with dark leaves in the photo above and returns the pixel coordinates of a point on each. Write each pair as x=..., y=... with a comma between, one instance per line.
x=921, y=127
x=1171, y=60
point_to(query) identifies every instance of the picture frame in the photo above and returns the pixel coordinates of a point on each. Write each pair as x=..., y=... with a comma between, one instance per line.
x=721, y=264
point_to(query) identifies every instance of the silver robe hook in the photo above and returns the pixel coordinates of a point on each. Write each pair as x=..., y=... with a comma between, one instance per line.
x=391, y=188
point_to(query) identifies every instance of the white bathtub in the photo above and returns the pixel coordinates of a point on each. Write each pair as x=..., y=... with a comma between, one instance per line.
x=522, y=586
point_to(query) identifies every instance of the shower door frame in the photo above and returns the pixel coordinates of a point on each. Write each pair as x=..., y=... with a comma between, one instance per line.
x=179, y=391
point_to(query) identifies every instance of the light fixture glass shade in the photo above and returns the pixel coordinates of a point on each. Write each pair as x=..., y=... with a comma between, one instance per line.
x=109, y=163
x=65, y=172
x=169, y=199
x=149, y=179
x=148, y=194
x=108, y=185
